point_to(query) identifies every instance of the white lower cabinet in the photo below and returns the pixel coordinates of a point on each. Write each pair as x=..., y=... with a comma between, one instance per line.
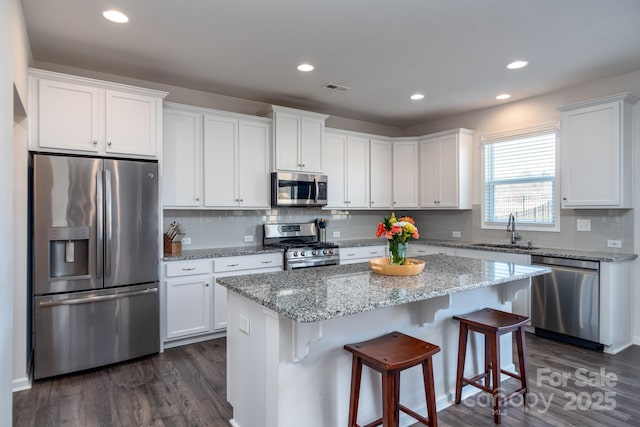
x=422, y=250
x=188, y=298
x=358, y=254
x=237, y=266
x=196, y=306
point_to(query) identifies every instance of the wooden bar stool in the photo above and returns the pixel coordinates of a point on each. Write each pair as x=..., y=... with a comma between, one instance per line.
x=492, y=323
x=390, y=354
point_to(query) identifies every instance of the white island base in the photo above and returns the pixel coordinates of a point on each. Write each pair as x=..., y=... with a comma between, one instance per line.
x=283, y=373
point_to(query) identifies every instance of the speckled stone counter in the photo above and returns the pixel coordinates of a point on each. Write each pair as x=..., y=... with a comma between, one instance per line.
x=287, y=330
x=222, y=252
x=310, y=295
x=552, y=252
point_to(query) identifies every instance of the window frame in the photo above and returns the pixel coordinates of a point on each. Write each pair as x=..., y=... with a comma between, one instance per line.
x=551, y=127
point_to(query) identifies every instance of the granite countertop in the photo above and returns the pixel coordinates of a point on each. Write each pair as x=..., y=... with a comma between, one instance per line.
x=311, y=295
x=221, y=252
x=520, y=249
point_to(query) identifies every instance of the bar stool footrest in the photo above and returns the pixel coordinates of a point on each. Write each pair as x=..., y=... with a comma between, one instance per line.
x=414, y=415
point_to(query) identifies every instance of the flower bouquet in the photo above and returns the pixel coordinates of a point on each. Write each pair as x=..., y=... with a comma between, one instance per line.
x=398, y=232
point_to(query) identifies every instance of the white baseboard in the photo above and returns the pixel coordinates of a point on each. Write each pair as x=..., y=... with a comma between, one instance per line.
x=233, y=423
x=20, y=384
x=193, y=340
x=636, y=340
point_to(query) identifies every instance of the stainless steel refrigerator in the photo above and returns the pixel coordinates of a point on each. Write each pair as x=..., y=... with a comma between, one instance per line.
x=95, y=262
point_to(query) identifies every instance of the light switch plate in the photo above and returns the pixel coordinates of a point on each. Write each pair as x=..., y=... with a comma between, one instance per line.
x=336, y=234
x=186, y=240
x=248, y=239
x=456, y=234
x=245, y=325
x=614, y=243
x=583, y=224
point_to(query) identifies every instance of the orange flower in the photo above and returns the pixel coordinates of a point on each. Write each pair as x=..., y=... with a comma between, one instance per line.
x=381, y=229
x=407, y=219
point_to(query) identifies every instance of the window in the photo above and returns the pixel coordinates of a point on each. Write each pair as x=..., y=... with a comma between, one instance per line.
x=519, y=177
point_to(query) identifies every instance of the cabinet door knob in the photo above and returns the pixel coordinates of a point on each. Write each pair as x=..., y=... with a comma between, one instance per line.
x=94, y=142
x=109, y=143
x=564, y=198
x=197, y=199
x=206, y=284
x=372, y=202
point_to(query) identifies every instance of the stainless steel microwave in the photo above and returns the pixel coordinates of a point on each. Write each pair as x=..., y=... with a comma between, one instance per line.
x=298, y=189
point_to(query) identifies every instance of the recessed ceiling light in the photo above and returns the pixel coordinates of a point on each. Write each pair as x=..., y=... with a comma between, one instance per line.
x=503, y=96
x=305, y=67
x=517, y=64
x=417, y=96
x=115, y=16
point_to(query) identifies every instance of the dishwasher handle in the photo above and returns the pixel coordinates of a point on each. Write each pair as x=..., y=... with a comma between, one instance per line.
x=565, y=262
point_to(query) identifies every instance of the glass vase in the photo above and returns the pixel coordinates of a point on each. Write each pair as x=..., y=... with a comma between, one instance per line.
x=397, y=252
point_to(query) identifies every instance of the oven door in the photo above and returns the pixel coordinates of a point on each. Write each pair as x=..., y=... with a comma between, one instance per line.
x=295, y=189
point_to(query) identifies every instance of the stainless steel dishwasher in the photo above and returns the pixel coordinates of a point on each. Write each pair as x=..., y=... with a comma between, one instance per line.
x=565, y=304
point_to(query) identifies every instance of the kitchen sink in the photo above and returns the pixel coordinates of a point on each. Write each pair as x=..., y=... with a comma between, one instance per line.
x=503, y=246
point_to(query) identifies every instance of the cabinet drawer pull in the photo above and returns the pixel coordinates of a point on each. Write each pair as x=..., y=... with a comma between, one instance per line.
x=373, y=252
x=232, y=265
x=351, y=254
x=267, y=262
x=189, y=269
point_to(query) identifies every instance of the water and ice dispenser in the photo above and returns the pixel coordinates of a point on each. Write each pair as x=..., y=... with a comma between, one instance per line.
x=69, y=253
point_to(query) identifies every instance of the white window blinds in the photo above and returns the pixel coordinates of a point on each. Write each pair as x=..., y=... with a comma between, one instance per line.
x=520, y=177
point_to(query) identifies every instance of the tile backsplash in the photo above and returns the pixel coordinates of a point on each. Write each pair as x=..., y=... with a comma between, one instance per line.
x=216, y=229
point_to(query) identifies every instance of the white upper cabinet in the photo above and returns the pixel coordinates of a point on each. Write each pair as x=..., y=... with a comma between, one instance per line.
x=335, y=148
x=214, y=159
x=381, y=169
x=298, y=139
x=182, y=158
x=405, y=173
x=445, y=170
x=131, y=123
x=86, y=116
x=596, y=153
x=236, y=163
x=348, y=170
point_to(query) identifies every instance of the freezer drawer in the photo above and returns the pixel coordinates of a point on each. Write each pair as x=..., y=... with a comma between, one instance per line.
x=85, y=330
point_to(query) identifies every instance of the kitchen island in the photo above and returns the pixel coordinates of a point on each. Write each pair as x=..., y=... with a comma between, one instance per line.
x=286, y=365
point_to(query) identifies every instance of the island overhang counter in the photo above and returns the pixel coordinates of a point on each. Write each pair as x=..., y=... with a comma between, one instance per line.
x=286, y=365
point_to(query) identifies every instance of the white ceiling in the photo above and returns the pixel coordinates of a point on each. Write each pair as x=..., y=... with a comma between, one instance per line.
x=453, y=51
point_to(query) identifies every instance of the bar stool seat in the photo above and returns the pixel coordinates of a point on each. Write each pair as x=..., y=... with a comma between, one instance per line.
x=390, y=354
x=492, y=324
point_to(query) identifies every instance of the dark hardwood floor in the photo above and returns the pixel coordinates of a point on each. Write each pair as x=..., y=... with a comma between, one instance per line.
x=185, y=386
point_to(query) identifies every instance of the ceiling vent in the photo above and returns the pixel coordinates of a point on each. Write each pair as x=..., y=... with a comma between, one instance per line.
x=336, y=87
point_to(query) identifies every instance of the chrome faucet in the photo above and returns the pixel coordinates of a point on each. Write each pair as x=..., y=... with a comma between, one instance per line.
x=511, y=227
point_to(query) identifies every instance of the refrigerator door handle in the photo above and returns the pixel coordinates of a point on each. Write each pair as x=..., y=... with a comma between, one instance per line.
x=108, y=222
x=99, y=225
x=97, y=298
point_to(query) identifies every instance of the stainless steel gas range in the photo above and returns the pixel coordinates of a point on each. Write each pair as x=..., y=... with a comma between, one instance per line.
x=301, y=246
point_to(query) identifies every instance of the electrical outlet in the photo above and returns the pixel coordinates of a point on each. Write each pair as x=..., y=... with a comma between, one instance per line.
x=583, y=224
x=614, y=243
x=248, y=239
x=245, y=325
x=336, y=234
x=186, y=240
x=456, y=234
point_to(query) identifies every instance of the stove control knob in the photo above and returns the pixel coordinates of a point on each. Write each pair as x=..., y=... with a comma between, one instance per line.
x=301, y=253
x=314, y=253
x=331, y=251
x=295, y=253
x=325, y=251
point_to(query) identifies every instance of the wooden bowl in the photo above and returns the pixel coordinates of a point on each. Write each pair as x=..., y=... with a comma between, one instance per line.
x=382, y=266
